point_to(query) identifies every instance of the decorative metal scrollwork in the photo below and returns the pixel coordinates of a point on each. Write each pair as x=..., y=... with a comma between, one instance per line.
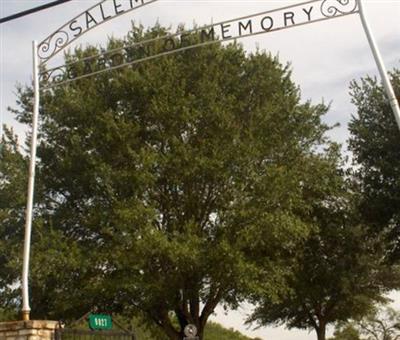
x=52, y=44
x=94, y=16
x=331, y=8
x=54, y=75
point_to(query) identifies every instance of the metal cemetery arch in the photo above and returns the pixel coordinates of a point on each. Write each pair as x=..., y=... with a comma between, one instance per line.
x=245, y=26
x=107, y=10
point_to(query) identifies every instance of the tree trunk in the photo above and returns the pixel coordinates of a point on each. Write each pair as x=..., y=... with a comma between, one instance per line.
x=173, y=334
x=201, y=334
x=321, y=332
x=188, y=313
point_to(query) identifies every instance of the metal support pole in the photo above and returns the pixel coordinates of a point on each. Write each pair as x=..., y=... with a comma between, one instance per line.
x=381, y=66
x=31, y=182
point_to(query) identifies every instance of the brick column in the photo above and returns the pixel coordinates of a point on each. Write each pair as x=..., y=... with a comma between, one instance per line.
x=28, y=330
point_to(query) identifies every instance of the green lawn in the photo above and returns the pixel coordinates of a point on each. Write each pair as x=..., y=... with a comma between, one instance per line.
x=213, y=331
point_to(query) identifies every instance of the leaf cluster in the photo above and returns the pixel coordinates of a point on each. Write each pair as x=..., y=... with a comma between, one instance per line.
x=373, y=141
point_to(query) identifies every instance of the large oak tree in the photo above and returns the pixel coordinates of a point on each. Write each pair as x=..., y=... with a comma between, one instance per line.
x=158, y=179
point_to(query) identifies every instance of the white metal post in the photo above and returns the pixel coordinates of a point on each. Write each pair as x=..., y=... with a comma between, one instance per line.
x=381, y=66
x=31, y=183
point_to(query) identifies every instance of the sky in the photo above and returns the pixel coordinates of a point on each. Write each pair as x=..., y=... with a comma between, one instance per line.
x=324, y=57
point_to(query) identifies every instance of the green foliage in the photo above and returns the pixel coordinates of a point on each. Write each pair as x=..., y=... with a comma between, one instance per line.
x=215, y=331
x=346, y=332
x=13, y=174
x=374, y=139
x=161, y=184
x=379, y=324
x=339, y=273
x=144, y=331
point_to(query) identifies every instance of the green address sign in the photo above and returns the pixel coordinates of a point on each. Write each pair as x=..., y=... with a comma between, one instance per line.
x=100, y=322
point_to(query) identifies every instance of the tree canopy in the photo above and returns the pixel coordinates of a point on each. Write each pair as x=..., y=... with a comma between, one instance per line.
x=13, y=182
x=340, y=272
x=373, y=142
x=158, y=184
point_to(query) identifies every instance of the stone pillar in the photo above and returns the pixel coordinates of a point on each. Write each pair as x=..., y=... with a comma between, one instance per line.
x=28, y=330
